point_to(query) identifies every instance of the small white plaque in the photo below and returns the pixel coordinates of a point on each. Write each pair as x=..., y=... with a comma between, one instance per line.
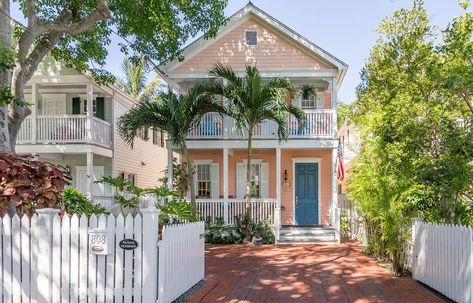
x=99, y=242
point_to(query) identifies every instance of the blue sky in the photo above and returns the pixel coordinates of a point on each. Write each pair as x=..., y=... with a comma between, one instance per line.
x=344, y=28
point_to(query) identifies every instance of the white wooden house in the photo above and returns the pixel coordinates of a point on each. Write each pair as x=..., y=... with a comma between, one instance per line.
x=73, y=124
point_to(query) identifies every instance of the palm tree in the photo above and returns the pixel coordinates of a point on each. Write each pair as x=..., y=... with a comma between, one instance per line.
x=134, y=82
x=250, y=102
x=174, y=114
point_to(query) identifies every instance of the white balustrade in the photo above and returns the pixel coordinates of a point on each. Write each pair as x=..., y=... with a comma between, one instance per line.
x=65, y=129
x=261, y=209
x=319, y=123
x=101, y=132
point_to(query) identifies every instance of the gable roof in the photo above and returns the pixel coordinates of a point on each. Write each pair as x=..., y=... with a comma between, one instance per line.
x=244, y=14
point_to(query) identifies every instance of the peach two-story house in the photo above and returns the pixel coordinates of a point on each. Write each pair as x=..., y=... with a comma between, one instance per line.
x=298, y=176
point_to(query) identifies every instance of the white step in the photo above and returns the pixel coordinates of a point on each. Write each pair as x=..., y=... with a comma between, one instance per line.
x=306, y=234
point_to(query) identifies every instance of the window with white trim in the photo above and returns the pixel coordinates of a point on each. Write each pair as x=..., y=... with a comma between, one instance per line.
x=94, y=106
x=255, y=180
x=251, y=37
x=204, y=180
x=309, y=102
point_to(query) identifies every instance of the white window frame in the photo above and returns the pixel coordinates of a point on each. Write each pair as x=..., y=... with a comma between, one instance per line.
x=254, y=31
x=209, y=164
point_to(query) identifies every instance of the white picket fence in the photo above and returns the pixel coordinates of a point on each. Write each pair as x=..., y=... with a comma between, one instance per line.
x=181, y=259
x=443, y=259
x=47, y=258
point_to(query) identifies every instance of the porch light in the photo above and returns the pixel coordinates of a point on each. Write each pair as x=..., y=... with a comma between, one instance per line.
x=285, y=183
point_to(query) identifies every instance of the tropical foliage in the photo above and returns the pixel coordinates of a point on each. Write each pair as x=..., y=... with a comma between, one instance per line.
x=77, y=203
x=252, y=100
x=135, y=82
x=180, y=182
x=27, y=184
x=217, y=232
x=172, y=113
x=414, y=118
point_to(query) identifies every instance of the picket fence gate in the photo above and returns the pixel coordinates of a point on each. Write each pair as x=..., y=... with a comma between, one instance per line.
x=47, y=258
x=443, y=259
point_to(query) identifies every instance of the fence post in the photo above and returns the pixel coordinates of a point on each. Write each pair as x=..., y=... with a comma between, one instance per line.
x=45, y=243
x=337, y=224
x=277, y=222
x=150, y=254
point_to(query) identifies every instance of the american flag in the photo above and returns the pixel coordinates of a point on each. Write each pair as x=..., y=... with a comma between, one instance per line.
x=340, y=169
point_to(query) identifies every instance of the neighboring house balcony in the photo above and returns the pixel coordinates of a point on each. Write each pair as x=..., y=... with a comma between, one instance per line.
x=65, y=129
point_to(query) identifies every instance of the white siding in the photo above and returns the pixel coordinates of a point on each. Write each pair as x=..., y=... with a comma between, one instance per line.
x=146, y=160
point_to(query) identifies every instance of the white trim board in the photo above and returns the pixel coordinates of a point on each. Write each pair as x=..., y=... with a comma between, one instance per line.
x=314, y=160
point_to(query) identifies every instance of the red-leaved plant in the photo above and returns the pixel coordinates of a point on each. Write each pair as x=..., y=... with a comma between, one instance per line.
x=27, y=184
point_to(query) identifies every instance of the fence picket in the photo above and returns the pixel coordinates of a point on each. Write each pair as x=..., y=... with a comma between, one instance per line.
x=102, y=224
x=120, y=230
x=65, y=258
x=83, y=258
x=74, y=294
x=128, y=256
x=92, y=272
x=16, y=260
x=137, y=281
x=7, y=265
x=109, y=292
x=25, y=258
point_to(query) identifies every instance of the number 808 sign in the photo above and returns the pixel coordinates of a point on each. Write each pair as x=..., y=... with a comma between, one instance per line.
x=99, y=243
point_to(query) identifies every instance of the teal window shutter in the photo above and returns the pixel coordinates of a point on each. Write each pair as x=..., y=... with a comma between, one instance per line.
x=100, y=108
x=76, y=106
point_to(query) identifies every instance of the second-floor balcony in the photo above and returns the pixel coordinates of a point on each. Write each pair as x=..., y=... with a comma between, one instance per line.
x=64, y=129
x=319, y=124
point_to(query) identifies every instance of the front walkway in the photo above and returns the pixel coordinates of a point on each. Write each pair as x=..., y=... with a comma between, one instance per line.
x=302, y=273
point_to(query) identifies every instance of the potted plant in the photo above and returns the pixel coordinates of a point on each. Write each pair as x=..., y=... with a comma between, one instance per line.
x=307, y=90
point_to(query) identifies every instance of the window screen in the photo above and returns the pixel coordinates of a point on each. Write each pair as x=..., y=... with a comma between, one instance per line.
x=203, y=180
x=251, y=37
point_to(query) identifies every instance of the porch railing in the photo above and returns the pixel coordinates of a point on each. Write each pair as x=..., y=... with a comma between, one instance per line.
x=65, y=129
x=261, y=209
x=319, y=124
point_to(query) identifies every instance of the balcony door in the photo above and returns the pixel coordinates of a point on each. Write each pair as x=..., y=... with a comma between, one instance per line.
x=54, y=104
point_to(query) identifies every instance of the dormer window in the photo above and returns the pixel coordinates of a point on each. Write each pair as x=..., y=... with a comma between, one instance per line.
x=251, y=37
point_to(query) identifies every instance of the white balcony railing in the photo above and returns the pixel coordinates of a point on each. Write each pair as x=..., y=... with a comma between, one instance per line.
x=319, y=124
x=261, y=209
x=65, y=129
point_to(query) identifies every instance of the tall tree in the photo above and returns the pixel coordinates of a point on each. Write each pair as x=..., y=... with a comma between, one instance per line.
x=135, y=82
x=251, y=101
x=78, y=32
x=174, y=114
x=417, y=148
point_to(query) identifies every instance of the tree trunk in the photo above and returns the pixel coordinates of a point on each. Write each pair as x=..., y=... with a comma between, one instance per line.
x=248, y=188
x=5, y=38
x=17, y=113
x=190, y=176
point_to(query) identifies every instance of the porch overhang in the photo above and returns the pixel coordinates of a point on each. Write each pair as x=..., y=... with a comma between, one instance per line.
x=64, y=149
x=262, y=144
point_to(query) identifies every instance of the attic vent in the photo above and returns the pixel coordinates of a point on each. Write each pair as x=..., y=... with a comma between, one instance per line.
x=251, y=37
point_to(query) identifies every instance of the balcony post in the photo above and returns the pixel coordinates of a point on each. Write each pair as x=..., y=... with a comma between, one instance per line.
x=90, y=109
x=334, y=107
x=225, y=185
x=90, y=174
x=34, y=113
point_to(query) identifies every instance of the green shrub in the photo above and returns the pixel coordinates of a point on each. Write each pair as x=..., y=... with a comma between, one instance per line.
x=264, y=231
x=219, y=233
x=177, y=211
x=345, y=224
x=77, y=203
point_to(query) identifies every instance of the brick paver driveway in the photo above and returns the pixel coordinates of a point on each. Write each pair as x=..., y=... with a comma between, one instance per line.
x=302, y=273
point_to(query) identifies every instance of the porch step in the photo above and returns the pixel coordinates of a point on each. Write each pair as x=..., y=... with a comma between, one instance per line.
x=306, y=234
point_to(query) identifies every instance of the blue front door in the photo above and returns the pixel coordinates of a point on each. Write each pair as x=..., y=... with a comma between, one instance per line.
x=306, y=190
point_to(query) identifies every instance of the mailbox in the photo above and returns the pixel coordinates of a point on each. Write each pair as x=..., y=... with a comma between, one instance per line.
x=100, y=242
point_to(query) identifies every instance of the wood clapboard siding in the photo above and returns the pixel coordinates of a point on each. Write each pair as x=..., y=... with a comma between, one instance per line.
x=273, y=52
x=130, y=160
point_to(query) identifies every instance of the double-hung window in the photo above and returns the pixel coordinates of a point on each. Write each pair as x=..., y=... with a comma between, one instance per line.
x=204, y=180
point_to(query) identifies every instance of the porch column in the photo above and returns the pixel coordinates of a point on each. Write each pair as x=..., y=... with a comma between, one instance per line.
x=278, y=177
x=334, y=187
x=170, y=166
x=225, y=185
x=34, y=113
x=90, y=111
x=90, y=173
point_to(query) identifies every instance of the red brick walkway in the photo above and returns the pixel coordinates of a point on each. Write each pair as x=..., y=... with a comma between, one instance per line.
x=302, y=273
